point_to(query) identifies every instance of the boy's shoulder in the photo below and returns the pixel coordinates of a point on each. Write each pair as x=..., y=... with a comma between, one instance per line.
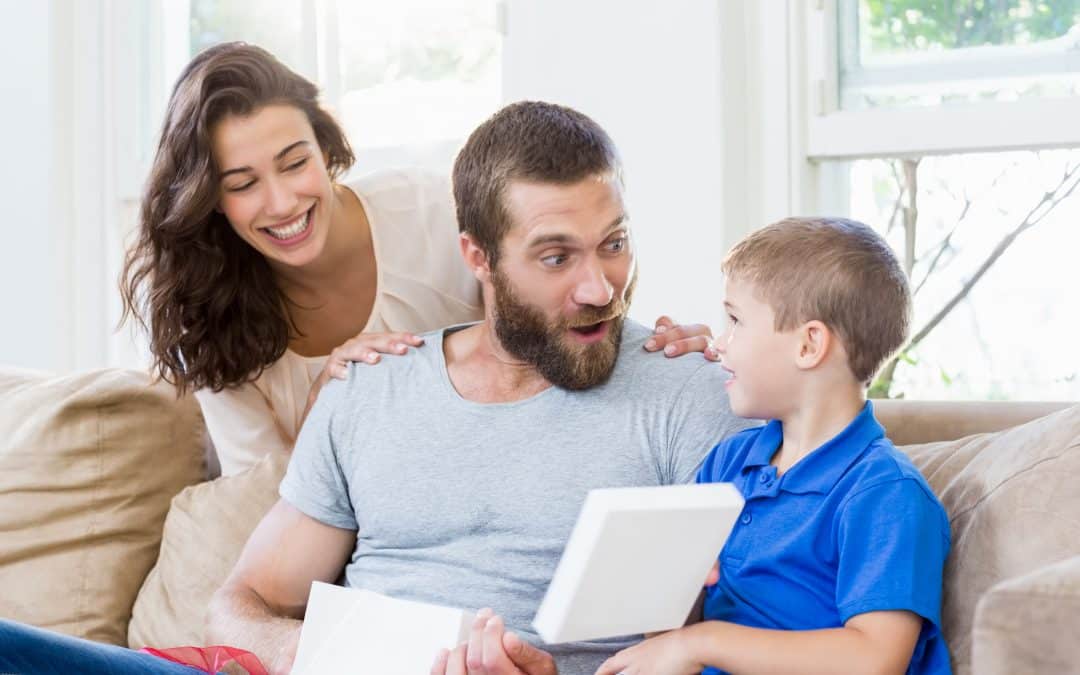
x=885, y=473
x=883, y=462
x=727, y=458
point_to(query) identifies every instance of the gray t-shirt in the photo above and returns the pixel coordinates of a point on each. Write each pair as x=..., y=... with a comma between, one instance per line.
x=469, y=505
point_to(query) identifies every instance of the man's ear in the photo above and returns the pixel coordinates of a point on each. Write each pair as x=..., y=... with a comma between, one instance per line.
x=475, y=257
x=815, y=341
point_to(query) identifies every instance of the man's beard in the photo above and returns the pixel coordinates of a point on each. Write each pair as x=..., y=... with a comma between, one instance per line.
x=524, y=332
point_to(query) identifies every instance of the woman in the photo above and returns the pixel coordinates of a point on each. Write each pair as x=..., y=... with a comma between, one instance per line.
x=253, y=264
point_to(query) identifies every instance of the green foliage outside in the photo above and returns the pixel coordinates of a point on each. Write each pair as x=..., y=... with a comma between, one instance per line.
x=892, y=25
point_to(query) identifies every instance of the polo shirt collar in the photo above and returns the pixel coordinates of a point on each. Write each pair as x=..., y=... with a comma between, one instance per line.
x=821, y=469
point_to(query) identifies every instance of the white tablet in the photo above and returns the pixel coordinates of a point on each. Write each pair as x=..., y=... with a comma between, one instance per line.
x=348, y=630
x=636, y=560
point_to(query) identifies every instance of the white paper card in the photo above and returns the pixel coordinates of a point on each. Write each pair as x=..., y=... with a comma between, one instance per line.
x=636, y=560
x=353, y=631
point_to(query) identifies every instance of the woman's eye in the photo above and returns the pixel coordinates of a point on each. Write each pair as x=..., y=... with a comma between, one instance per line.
x=297, y=165
x=240, y=188
x=554, y=260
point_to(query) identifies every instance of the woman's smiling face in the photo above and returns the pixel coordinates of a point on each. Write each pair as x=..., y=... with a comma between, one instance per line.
x=275, y=189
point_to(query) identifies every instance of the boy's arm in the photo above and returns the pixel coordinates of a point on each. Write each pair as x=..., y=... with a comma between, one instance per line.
x=871, y=643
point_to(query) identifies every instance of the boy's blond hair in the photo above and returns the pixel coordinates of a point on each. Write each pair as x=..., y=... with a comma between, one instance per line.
x=834, y=270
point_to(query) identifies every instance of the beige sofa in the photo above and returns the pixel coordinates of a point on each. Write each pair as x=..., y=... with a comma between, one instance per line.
x=109, y=530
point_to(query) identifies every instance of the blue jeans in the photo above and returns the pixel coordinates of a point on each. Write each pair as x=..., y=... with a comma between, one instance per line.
x=25, y=650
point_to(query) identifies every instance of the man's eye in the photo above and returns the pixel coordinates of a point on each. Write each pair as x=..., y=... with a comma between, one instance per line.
x=617, y=245
x=556, y=260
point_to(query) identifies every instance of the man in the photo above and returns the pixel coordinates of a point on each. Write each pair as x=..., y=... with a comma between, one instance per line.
x=454, y=475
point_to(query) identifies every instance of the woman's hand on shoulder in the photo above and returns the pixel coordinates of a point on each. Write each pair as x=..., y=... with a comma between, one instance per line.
x=364, y=348
x=676, y=339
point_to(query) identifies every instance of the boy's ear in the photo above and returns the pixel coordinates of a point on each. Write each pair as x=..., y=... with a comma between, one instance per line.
x=815, y=341
x=475, y=257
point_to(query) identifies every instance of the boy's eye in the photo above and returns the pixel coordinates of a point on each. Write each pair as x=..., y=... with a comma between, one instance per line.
x=733, y=319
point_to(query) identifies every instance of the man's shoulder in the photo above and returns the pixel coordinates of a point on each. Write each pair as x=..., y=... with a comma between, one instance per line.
x=418, y=364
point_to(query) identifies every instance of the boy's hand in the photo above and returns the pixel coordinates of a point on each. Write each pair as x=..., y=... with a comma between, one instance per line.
x=666, y=654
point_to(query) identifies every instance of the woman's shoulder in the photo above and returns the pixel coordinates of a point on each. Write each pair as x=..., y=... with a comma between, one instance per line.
x=403, y=190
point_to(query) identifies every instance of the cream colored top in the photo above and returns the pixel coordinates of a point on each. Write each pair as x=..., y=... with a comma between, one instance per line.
x=423, y=284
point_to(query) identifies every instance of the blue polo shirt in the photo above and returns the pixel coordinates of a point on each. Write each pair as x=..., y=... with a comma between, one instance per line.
x=853, y=527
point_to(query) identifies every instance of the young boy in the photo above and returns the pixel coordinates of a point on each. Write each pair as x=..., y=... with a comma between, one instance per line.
x=835, y=564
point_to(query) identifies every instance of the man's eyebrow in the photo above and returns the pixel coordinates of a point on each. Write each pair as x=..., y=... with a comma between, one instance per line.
x=548, y=239
x=286, y=150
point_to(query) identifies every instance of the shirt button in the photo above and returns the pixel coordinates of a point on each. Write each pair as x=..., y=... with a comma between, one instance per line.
x=764, y=478
x=746, y=518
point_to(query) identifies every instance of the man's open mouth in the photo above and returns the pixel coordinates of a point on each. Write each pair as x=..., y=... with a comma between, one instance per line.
x=588, y=330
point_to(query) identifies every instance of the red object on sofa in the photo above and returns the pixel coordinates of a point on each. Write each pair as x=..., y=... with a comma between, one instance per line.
x=210, y=659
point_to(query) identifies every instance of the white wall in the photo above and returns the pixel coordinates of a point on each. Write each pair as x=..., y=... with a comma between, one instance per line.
x=70, y=68
x=32, y=270
x=657, y=76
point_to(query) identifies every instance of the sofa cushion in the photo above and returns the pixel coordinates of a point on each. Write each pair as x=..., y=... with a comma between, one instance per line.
x=88, y=464
x=205, y=531
x=1013, y=506
x=1021, y=625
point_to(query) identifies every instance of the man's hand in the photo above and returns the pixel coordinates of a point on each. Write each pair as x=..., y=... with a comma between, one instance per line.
x=493, y=651
x=283, y=664
x=676, y=340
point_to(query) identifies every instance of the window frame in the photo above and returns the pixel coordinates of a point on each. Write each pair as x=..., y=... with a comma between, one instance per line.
x=837, y=134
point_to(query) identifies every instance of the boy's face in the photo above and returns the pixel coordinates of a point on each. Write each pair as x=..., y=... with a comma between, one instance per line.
x=760, y=359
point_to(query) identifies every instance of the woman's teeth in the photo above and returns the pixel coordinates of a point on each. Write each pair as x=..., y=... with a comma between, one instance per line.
x=290, y=231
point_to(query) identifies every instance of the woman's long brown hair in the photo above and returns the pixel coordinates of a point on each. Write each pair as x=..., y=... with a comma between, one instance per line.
x=213, y=310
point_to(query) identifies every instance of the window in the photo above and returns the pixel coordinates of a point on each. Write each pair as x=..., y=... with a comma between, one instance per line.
x=931, y=53
x=407, y=79
x=949, y=127
x=989, y=243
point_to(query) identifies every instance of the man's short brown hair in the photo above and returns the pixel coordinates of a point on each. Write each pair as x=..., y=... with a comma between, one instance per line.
x=529, y=141
x=833, y=270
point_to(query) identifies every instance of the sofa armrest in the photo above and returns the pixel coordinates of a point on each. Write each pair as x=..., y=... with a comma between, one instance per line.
x=1029, y=624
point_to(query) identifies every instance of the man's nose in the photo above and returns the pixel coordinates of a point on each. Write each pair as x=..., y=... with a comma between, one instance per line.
x=593, y=287
x=280, y=199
